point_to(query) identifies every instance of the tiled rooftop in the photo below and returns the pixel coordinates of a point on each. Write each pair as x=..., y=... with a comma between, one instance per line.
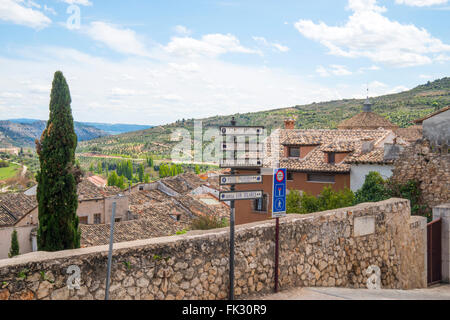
x=330, y=141
x=14, y=206
x=367, y=121
x=183, y=183
x=144, y=196
x=87, y=190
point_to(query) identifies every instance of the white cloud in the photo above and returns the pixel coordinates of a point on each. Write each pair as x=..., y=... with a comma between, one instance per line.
x=425, y=76
x=49, y=9
x=13, y=11
x=210, y=45
x=421, y=3
x=78, y=2
x=277, y=46
x=182, y=30
x=121, y=40
x=371, y=68
x=334, y=69
x=322, y=71
x=151, y=91
x=369, y=34
x=10, y=95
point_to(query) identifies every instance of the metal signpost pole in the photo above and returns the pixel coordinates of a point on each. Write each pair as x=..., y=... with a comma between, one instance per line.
x=111, y=240
x=233, y=123
x=277, y=252
x=278, y=209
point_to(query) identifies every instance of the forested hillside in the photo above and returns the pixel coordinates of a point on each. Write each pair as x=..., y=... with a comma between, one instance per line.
x=400, y=108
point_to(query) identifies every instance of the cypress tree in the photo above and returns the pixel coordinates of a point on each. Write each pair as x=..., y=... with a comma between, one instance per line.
x=58, y=175
x=14, y=250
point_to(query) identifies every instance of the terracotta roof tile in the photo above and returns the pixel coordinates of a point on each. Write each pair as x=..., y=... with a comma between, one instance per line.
x=330, y=141
x=183, y=183
x=367, y=121
x=87, y=191
x=14, y=206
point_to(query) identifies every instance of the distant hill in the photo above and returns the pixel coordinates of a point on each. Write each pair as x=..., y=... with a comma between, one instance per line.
x=23, y=134
x=117, y=128
x=400, y=108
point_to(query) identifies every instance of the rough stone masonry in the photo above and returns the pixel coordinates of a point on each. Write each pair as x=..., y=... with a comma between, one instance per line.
x=331, y=248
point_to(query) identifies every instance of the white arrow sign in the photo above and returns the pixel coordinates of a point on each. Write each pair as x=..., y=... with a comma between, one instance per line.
x=240, y=195
x=225, y=180
x=240, y=163
x=242, y=131
x=229, y=146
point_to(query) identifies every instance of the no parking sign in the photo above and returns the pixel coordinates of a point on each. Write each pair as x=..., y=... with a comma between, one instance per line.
x=279, y=193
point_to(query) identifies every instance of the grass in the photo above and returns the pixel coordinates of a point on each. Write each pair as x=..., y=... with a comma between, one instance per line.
x=9, y=172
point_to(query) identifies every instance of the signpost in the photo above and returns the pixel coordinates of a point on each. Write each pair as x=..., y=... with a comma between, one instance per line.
x=241, y=195
x=278, y=210
x=234, y=132
x=241, y=179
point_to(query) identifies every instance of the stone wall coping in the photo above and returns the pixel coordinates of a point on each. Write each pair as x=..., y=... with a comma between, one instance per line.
x=443, y=206
x=418, y=222
x=42, y=256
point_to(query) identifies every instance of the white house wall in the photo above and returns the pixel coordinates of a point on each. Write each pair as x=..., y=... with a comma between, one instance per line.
x=358, y=173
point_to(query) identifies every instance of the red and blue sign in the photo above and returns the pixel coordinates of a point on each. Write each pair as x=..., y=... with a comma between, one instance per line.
x=279, y=193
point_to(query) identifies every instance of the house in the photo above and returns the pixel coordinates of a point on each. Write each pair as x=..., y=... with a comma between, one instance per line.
x=20, y=211
x=436, y=127
x=317, y=158
x=154, y=217
x=367, y=120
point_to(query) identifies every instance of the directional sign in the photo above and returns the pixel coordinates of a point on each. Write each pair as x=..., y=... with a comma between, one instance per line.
x=242, y=131
x=241, y=163
x=279, y=193
x=225, y=180
x=240, y=195
x=230, y=146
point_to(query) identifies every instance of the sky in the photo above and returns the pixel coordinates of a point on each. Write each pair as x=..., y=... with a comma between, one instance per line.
x=154, y=62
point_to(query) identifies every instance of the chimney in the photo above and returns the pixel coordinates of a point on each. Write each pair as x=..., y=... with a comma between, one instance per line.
x=367, y=145
x=392, y=151
x=289, y=124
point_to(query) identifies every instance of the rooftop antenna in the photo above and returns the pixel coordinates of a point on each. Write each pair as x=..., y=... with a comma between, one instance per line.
x=367, y=104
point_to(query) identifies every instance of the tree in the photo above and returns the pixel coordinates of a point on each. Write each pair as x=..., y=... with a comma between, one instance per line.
x=373, y=189
x=147, y=178
x=141, y=172
x=14, y=250
x=58, y=175
x=113, y=179
x=99, y=168
x=293, y=201
x=197, y=169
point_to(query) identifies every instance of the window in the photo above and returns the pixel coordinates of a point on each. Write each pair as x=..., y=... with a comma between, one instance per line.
x=97, y=218
x=331, y=157
x=117, y=219
x=83, y=220
x=260, y=204
x=141, y=188
x=294, y=152
x=290, y=176
x=320, y=177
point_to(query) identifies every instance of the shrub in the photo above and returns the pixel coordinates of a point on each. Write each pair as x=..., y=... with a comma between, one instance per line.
x=328, y=199
x=14, y=250
x=373, y=189
x=293, y=201
x=208, y=222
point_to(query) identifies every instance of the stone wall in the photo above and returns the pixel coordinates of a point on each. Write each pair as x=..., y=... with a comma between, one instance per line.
x=331, y=248
x=431, y=168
